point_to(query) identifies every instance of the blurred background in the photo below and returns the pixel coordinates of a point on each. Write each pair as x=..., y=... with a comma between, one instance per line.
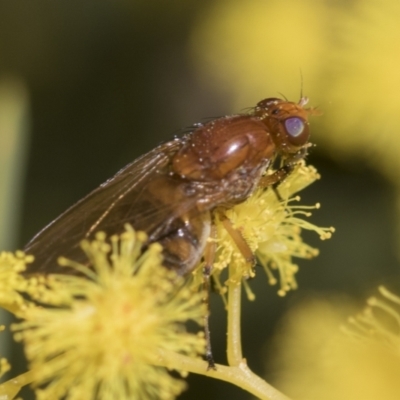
x=88, y=86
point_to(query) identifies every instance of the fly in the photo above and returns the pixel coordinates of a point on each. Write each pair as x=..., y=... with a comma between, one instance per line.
x=173, y=191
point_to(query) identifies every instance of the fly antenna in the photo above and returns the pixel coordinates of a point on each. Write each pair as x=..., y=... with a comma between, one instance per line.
x=301, y=84
x=303, y=100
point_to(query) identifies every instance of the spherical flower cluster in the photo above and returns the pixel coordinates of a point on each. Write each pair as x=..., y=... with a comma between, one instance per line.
x=101, y=335
x=316, y=360
x=272, y=229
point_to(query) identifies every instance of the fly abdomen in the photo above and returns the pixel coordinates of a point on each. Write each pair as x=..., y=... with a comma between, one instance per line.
x=184, y=245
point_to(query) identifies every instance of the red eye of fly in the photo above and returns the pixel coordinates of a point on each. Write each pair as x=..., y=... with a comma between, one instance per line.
x=294, y=126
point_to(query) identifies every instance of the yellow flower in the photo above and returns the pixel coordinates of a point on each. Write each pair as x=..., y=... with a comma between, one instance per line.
x=317, y=361
x=365, y=76
x=102, y=335
x=255, y=47
x=273, y=231
x=380, y=321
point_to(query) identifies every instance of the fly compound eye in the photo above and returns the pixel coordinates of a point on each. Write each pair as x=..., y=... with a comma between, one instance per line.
x=297, y=130
x=294, y=126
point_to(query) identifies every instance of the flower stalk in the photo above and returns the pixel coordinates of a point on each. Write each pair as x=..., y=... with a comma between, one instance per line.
x=234, y=341
x=239, y=375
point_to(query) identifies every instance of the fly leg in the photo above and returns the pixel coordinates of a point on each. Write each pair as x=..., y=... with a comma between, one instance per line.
x=238, y=238
x=276, y=178
x=209, y=257
x=283, y=172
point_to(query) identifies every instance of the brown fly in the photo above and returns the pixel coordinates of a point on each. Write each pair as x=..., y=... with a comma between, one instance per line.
x=173, y=191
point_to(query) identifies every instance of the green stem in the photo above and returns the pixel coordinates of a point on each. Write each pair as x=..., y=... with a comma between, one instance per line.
x=239, y=375
x=234, y=342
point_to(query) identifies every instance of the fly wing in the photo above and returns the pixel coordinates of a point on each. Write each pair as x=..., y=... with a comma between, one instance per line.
x=124, y=198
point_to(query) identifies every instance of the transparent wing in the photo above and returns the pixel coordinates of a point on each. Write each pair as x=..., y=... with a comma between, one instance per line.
x=141, y=194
